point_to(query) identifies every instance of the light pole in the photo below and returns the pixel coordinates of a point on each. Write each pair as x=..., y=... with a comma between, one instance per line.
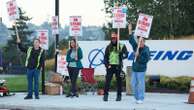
x=57, y=35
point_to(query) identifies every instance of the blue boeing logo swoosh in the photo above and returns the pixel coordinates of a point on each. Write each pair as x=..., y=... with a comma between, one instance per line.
x=92, y=57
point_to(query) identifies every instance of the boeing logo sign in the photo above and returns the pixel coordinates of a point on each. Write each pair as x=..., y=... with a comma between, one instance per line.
x=170, y=55
x=95, y=56
x=167, y=57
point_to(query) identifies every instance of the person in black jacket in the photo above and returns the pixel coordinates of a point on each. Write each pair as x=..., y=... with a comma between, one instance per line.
x=113, y=62
x=34, y=62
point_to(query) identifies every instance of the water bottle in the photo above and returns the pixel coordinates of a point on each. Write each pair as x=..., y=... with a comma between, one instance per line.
x=61, y=90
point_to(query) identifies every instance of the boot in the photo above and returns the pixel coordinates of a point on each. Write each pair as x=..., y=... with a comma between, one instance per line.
x=69, y=95
x=76, y=95
x=105, y=98
x=118, y=98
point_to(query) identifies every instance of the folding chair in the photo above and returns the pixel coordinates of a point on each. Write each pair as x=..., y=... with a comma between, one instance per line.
x=88, y=82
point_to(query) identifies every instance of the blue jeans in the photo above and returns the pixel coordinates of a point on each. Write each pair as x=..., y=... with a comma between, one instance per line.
x=138, y=84
x=33, y=74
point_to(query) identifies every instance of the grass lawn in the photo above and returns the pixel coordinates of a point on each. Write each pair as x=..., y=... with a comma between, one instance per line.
x=182, y=84
x=18, y=83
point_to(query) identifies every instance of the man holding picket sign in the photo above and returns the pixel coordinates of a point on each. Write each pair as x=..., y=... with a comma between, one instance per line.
x=115, y=53
x=34, y=59
x=34, y=62
x=141, y=56
x=113, y=61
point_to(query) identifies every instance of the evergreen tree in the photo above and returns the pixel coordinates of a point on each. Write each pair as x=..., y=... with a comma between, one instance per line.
x=11, y=52
x=172, y=18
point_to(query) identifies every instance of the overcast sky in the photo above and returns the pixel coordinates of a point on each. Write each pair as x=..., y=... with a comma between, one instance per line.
x=42, y=10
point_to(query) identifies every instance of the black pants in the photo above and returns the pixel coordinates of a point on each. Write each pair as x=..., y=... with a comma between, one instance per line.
x=110, y=71
x=73, y=74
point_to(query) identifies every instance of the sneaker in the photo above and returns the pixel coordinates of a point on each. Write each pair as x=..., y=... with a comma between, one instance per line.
x=28, y=97
x=139, y=102
x=37, y=97
x=105, y=98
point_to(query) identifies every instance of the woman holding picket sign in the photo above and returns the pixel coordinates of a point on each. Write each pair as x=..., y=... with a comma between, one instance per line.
x=139, y=66
x=74, y=56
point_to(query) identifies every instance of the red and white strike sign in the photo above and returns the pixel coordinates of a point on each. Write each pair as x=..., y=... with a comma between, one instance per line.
x=61, y=64
x=119, y=18
x=12, y=10
x=143, y=26
x=75, y=26
x=54, y=25
x=43, y=37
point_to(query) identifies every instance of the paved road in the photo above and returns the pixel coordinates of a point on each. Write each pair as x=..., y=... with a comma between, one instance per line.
x=153, y=101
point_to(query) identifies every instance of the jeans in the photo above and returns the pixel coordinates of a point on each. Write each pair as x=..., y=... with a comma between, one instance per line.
x=73, y=74
x=138, y=84
x=33, y=74
x=110, y=71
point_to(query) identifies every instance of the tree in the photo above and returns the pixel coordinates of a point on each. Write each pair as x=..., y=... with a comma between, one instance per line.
x=11, y=53
x=3, y=34
x=172, y=18
x=51, y=51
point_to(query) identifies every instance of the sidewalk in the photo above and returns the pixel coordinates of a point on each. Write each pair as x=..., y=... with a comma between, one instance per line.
x=153, y=101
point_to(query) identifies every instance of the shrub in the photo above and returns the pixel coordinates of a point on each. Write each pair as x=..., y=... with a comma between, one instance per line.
x=49, y=64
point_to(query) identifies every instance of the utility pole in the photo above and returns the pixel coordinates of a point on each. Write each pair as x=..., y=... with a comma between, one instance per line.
x=57, y=35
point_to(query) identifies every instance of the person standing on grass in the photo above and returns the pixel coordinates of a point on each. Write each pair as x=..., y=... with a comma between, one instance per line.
x=74, y=56
x=34, y=62
x=139, y=66
x=113, y=61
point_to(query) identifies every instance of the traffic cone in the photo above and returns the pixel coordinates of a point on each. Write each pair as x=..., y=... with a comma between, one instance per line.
x=191, y=93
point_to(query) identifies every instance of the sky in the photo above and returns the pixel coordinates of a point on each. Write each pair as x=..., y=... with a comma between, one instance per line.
x=43, y=10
